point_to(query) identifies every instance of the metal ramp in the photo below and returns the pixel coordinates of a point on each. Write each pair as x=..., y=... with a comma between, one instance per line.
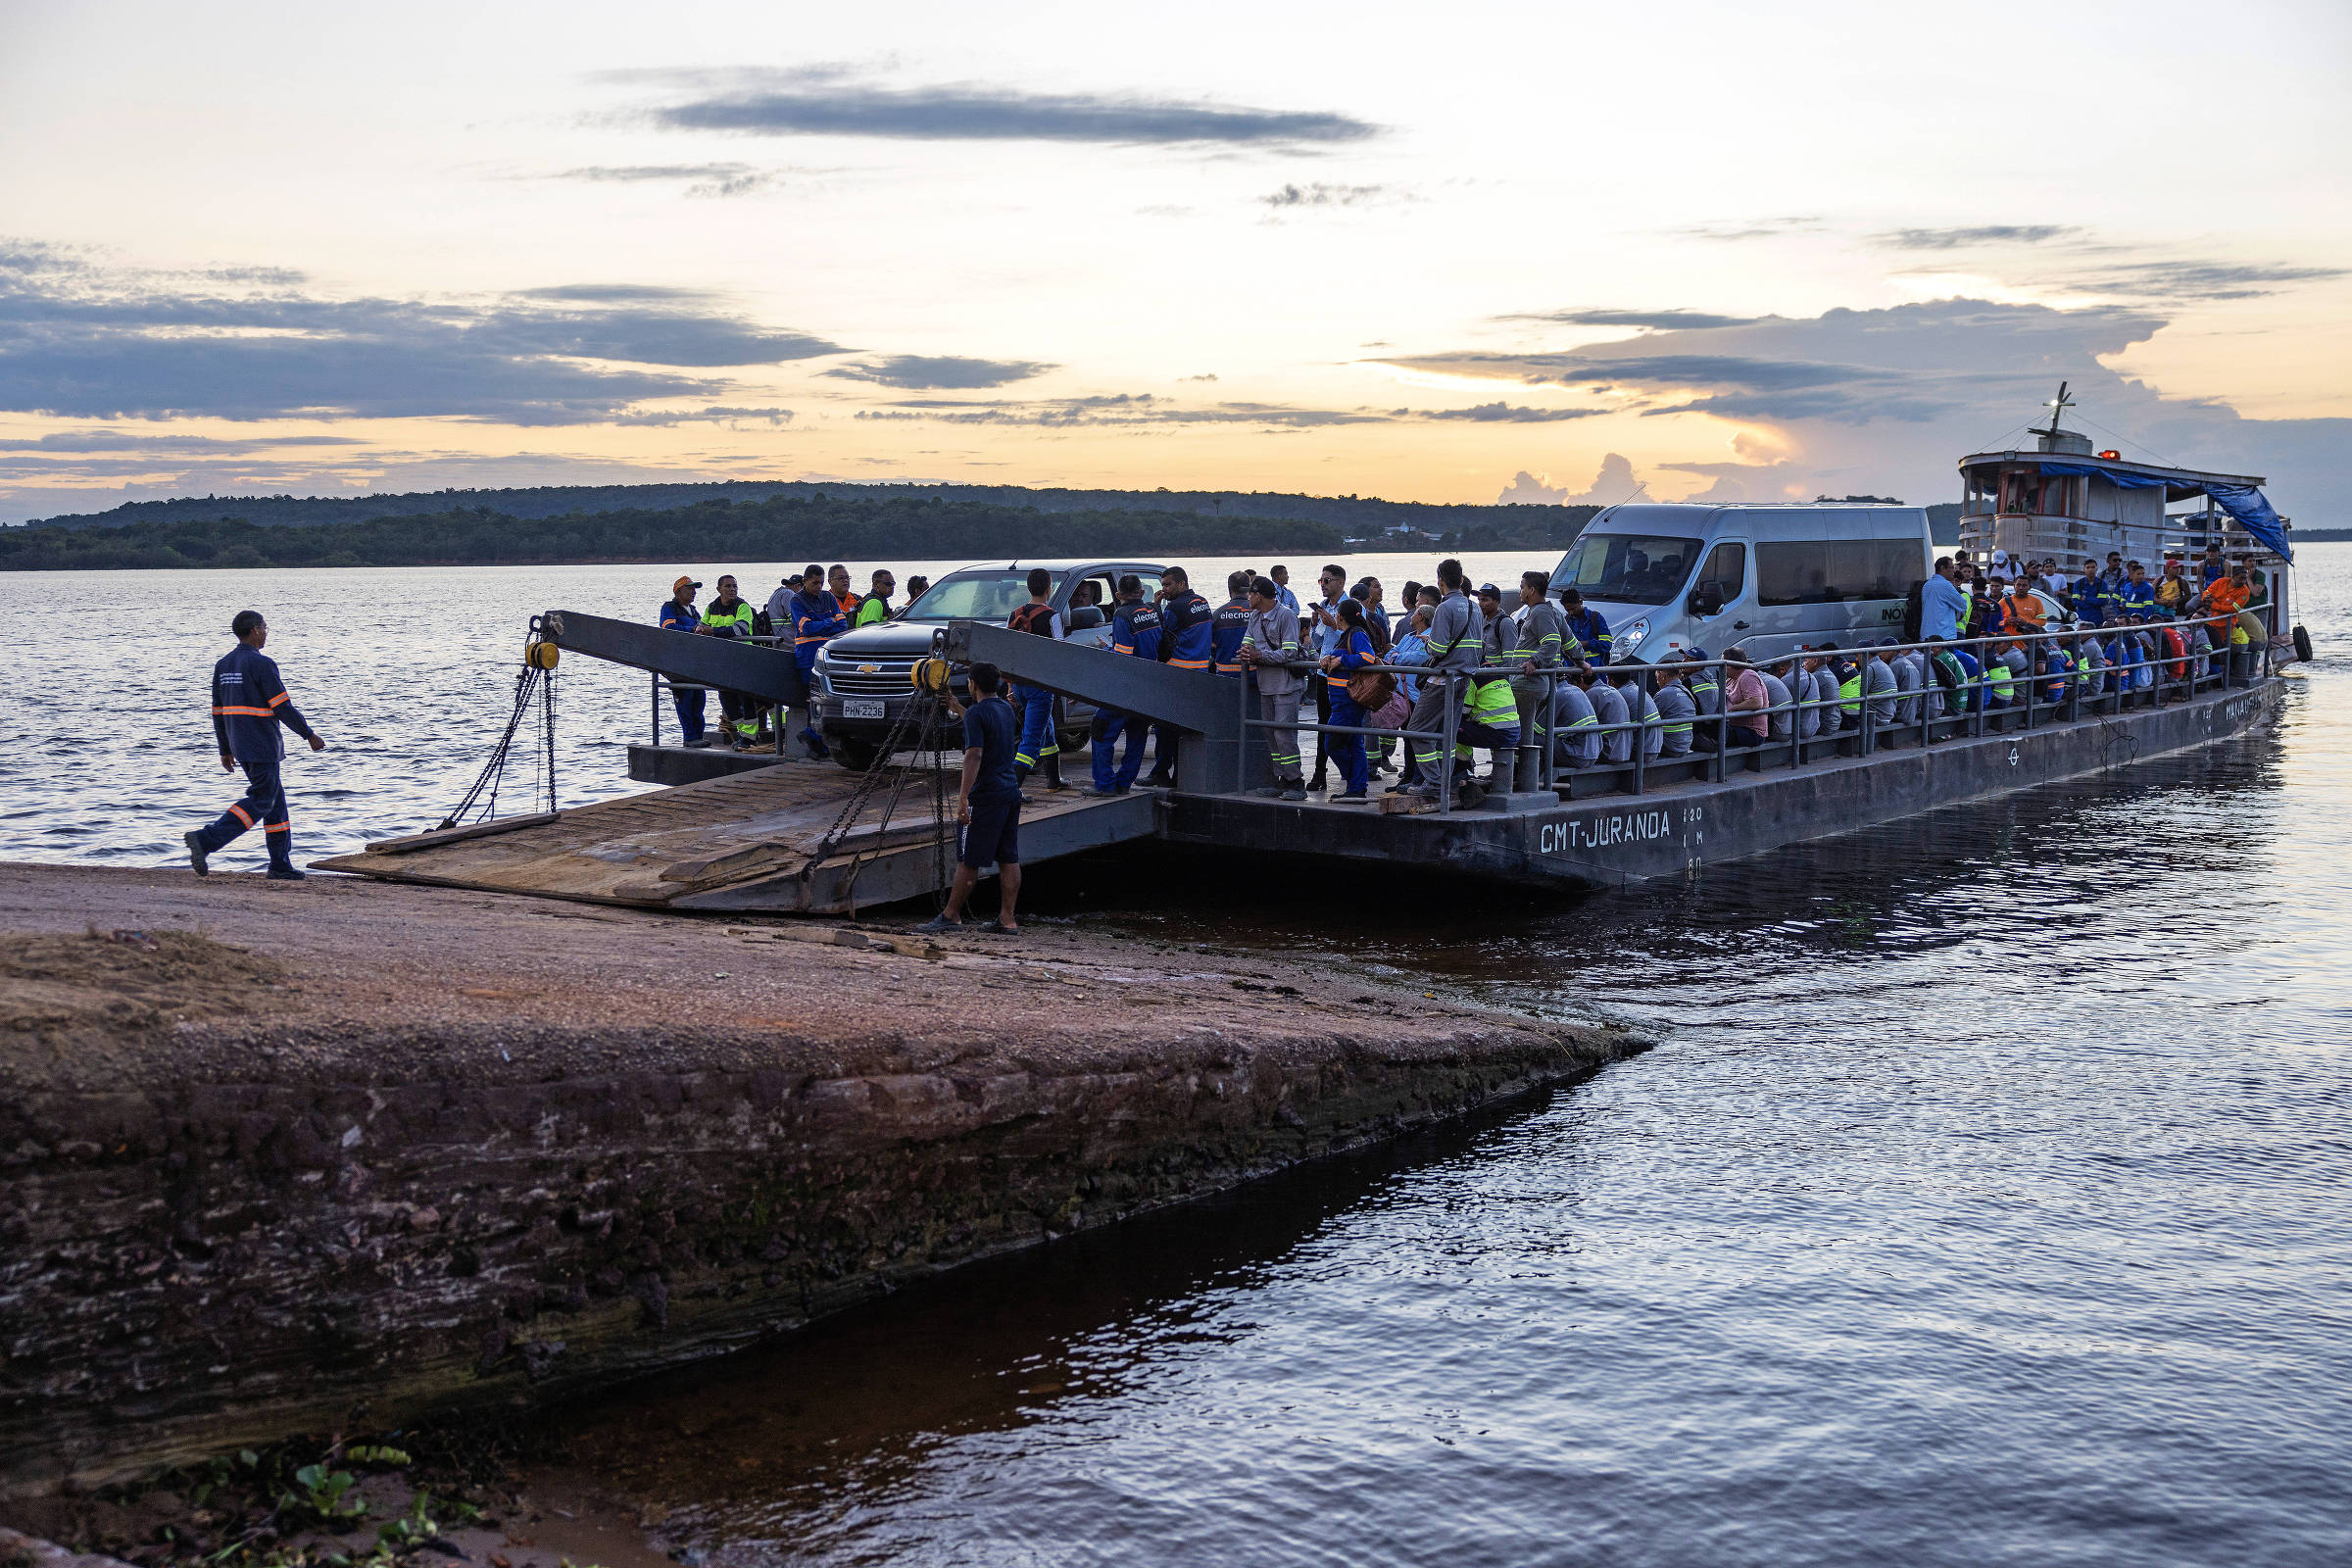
x=741, y=843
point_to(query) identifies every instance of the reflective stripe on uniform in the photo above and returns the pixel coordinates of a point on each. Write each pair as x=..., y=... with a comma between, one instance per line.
x=245, y=713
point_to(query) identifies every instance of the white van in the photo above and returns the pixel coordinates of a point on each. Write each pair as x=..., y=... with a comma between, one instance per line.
x=1669, y=577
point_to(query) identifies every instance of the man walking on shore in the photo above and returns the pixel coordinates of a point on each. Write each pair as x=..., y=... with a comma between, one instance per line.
x=249, y=704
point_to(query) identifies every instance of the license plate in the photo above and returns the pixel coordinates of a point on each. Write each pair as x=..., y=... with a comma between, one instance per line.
x=861, y=708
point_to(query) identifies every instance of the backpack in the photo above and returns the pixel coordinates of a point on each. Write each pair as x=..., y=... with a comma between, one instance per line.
x=1035, y=619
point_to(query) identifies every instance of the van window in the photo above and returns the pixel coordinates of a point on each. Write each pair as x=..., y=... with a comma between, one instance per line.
x=1836, y=572
x=1727, y=564
x=1625, y=568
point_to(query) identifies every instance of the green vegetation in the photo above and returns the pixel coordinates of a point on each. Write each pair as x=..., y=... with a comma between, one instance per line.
x=782, y=528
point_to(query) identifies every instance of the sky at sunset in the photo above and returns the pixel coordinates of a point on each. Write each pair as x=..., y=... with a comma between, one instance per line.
x=1437, y=253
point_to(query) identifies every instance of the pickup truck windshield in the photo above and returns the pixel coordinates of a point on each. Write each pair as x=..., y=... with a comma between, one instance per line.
x=1628, y=569
x=988, y=595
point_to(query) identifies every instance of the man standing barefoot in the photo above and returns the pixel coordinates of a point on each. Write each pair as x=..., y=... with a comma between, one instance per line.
x=249, y=705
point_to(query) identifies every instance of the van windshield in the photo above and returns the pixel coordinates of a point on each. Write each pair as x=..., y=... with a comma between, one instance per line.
x=974, y=596
x=1628, y=569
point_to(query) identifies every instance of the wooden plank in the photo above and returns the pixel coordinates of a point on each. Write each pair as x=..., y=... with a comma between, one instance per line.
x=451, y=835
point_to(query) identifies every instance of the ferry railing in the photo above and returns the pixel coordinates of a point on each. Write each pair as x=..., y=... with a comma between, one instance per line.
x=769, y=714
x=1931, y=711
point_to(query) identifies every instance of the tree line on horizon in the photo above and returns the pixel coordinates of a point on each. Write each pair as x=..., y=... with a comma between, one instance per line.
x=783, y=529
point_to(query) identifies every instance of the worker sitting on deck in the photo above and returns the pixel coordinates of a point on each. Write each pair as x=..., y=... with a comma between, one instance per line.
x=1610, y=712
x=1790, y=673
x=1640, y=707
x=988, y=804
x=1040, y=745
x=1575, y=725
x=679, y=614
x=1270, y=653
x=731, y=619
x=1678, y=713
x=1134, y=631
x=1746, y=697
x=1879, y=683
x=817, y=619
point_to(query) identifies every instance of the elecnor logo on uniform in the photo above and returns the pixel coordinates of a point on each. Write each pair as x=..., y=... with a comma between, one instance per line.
x=1600, y=832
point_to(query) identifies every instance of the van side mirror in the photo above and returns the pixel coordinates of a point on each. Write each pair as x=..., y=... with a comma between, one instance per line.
x=1708, y=598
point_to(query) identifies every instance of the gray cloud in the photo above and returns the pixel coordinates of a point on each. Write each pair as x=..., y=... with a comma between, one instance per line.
x=1948, y=239
x=1498, y=414
x=830, y=102
x=1753, y=229
x=1120, y=409
x=77, y=341
x=1886, y=400
x=1654, y=320
x=923, y=372
x=700, y=180
x=81, y=441
x=2203, y=280
x=1319, y=194
x=1145, y=408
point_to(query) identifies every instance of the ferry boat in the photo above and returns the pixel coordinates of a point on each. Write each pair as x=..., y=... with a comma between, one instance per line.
x=2066, y=501
x=773, y=834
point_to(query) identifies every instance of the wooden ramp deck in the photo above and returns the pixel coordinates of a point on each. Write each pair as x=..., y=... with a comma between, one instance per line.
x=743, y=841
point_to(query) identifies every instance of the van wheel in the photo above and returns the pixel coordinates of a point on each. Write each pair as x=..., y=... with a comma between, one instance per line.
x=856, y=756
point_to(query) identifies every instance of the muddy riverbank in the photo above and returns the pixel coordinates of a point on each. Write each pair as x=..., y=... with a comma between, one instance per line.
x=323, y=1156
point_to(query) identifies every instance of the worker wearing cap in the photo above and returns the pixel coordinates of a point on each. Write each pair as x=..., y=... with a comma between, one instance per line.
x=679, y=614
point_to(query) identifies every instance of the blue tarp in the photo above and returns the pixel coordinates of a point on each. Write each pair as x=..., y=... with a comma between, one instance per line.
x=2243, y=502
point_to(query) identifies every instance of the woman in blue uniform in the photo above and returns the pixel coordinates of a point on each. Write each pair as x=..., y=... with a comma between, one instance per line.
x=1350, y=653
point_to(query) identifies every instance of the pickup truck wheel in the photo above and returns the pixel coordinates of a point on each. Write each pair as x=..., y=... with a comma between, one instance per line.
x=856, y=756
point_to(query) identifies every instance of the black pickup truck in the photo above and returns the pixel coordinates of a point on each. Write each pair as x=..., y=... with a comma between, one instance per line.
x=863, y=677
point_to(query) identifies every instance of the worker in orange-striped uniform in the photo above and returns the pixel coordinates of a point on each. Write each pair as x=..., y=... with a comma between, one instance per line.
x=249, y=706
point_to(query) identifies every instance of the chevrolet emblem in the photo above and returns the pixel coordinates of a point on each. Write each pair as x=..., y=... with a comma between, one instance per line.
x=869, y=669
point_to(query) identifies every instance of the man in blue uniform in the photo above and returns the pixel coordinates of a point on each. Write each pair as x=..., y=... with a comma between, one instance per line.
x=249, y=704
x=817, y=619
x=1134, y=631
x=1587, y=629
x=1187, y=641
x=679, y=614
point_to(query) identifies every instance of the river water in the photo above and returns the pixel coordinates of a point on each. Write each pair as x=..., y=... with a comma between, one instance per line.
x=1986, y=1202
